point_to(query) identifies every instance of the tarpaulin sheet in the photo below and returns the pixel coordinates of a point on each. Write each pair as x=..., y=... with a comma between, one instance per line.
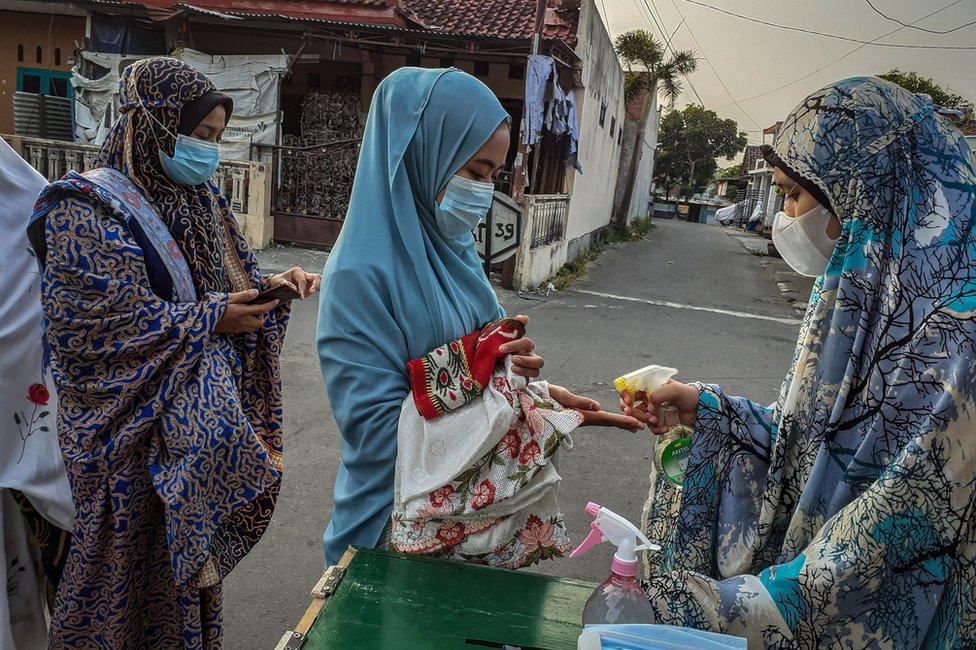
x=250, y=80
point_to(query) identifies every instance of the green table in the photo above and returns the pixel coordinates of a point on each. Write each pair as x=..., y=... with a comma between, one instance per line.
x=386, y=600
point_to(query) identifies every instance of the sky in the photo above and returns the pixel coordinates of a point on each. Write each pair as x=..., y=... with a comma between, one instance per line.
x=753, y=59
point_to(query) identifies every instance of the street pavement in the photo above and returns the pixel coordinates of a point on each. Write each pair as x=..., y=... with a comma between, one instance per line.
x=690, y=296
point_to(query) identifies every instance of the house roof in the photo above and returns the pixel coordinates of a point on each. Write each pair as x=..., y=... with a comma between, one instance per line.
x=506, y=19
x=499, y=19
x=968, y=129
x=366, y=12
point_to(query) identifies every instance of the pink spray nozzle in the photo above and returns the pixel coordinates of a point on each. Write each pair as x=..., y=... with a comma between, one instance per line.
x=596, y=535
x=608, y=526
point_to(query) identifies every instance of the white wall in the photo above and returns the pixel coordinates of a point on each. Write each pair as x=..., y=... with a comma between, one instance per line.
x=603, y=83
x=641, y=196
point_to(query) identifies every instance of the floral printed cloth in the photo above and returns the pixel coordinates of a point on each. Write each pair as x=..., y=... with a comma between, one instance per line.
x=456, y=373
x=478, y=483
x=843, y=516
x=35, y=499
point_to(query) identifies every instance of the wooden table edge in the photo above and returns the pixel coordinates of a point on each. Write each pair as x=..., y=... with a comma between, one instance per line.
x=314, y=609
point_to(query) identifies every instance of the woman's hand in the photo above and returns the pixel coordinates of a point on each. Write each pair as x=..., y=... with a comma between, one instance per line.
x=525, y=361
x=590, y=410
x=306, y=284
x=241, y=318
x=681, y=396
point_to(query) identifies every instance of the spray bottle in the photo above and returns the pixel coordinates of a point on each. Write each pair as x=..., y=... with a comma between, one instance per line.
x=619, y=599
x=671, y=449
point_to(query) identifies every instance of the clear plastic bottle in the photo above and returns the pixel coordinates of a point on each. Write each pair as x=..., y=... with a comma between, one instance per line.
x=672, y=449
x=619, y=599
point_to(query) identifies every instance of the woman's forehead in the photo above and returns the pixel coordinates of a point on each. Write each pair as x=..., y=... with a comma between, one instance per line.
x=780, y=178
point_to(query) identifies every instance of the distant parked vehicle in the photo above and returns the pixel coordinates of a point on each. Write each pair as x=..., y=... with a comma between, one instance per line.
x=726, y=215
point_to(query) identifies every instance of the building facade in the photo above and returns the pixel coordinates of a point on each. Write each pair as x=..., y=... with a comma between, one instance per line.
x=336, y=52
x=37, y=50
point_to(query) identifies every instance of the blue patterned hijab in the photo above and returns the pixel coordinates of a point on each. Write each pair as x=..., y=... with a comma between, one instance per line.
x=159, y=87
x=844, y=515
x=394, y=288
x=888, y=348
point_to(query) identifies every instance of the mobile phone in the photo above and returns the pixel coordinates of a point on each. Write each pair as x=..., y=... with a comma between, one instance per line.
x=282, y=293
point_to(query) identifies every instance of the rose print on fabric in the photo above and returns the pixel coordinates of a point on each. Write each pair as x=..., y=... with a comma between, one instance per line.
x=39, y=396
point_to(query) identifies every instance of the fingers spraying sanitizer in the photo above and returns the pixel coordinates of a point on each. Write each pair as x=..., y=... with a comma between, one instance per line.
x=671, y=449
x=620, y=598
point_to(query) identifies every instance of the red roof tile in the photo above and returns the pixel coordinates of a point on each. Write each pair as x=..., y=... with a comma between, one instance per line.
x=505, y=19
x=501, y=19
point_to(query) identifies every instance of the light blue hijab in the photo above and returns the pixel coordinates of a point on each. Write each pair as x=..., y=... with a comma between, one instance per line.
x=394, y=288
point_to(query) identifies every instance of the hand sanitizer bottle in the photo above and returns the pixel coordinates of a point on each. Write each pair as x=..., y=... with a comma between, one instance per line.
x=619, y=599
x=671, y=449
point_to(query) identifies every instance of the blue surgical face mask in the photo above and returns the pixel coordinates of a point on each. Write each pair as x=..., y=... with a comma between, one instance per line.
x=193, y=162
x=465, y=204
x=655, y=637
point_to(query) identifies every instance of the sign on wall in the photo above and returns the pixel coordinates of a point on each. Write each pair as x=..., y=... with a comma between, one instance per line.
x=498, y=236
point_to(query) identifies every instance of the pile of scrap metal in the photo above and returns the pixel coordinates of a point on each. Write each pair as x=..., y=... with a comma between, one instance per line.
x=318, y=166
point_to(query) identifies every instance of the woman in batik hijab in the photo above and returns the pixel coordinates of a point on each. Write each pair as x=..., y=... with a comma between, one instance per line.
x=843, y=515
x=169, y=381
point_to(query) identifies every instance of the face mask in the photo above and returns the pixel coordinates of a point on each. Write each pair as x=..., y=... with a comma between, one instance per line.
x=803, y=241
x=193, y=162
x=464, y=205
x=655, y=637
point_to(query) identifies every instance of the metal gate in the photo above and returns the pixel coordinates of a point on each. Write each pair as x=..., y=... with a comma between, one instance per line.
x=311, y=191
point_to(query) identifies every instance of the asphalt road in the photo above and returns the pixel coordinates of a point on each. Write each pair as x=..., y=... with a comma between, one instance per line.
x=690, y=296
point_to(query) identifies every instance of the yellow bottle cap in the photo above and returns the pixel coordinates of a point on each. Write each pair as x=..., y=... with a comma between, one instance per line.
x=621, y=385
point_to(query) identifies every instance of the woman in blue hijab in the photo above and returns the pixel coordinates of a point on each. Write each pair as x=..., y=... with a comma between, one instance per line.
x=404, y=276
x=843, y=515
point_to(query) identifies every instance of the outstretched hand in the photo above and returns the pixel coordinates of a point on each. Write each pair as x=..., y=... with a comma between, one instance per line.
x=590, y=410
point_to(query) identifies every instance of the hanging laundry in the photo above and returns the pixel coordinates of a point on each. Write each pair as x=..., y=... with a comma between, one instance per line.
x=540, y=69
x=573, y=120
x=551, y=109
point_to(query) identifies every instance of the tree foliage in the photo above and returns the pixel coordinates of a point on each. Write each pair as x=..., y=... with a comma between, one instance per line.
x=692, y=141
x=941, y=95
x=734, y=171
x=648, y=66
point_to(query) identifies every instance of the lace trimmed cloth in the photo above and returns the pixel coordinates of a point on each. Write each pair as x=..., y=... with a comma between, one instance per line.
x=476, y=476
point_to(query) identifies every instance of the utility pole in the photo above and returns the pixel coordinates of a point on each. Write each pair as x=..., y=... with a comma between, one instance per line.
x=521, y=158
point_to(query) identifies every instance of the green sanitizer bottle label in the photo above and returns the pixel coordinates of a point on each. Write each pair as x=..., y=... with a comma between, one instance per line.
x=674, y=459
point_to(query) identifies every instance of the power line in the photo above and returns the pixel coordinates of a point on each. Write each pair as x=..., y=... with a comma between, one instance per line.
x=709, y=62
x=827, y=35
x=912, y=26
x=841, y=57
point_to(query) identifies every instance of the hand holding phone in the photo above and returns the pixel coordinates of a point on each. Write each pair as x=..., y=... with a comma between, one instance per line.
x=282, y=293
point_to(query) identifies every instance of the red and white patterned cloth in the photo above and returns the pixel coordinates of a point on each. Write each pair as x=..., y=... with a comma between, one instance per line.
x=475, y=476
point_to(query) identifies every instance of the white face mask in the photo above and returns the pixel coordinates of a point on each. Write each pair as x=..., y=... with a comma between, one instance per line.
x=803, y=240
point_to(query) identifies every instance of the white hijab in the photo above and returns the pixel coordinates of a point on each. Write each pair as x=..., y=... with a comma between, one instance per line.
x=30, y=463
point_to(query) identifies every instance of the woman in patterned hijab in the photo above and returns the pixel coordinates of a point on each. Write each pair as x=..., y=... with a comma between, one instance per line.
x=169, y=382
x=843, y=515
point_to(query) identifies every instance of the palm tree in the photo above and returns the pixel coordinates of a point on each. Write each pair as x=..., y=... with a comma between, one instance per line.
x=648, y=69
